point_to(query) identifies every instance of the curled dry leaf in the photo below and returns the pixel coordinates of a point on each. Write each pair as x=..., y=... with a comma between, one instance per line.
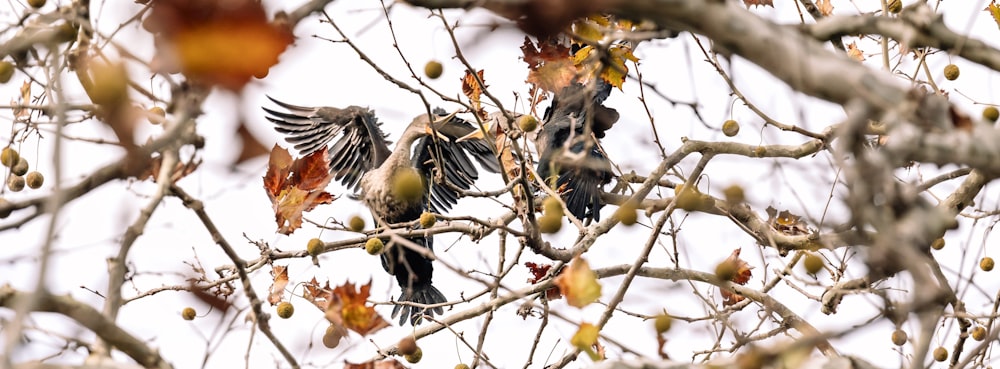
x=350, y=309
x=276, y=292
x=538, y=272
x=296, y=186
x=786, y=222
x=550, y=65
x=320, y=296
x=579, y=283
x=474, y=91
x=854, y=52
x=741, y=275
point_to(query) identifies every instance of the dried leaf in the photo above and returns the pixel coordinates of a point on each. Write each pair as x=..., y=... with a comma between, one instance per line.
x=589, y=29
x=181, y=169
x=296, y=186
x=538, y=273
x=276, y=292
x=320, y=296
x=748, y=3
x=786, y=222
x=741, y=275
x=472, y=90
x=350, y=309
x=854, y=52
x=222, y=43
x=825, y=7
x=579, y=283
x=22, y=114
x=550, y=65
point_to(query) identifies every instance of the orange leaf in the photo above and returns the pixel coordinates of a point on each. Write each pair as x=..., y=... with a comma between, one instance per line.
x=222, y=43
x=277, y=290
x=550, y=65
x=824, y=7
x=472, y=90
x=741, y=275
x=321, y=296
x=350, y=310
x=579, y=283
x=854, y=52
x=296, y=186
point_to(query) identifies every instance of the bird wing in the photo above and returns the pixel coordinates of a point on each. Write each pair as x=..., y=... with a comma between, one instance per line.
x=580, y=175
x=361, y=147
x=457, y=169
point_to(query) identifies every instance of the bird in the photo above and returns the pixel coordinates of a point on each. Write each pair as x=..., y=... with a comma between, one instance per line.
x=570, y=158
x=362, y=161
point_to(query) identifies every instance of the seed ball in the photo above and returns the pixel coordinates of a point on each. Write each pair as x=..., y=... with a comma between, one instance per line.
x=9, y=157
x=427, y=220
x=20, y=168
x=415, y=356
x=951, y=73
x=895, y=6
x=15, y=183
x=990, y=113
x=356, y=224
x=662, y=323
x=813, y=263
x=730, y=128
x=986, y=264
x=527, y=123
x=407, y=345
x=938, y=244
x=285, y=310
x=978, y=333
x=899, y=337
x=550, y=223
x=314, y=247
x=940, y=354
x=433, y=69
x=188, y=313
x=34, y=180
x=374, y=246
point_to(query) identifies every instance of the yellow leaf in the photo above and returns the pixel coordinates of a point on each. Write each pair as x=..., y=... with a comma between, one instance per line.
x=579, y=283
x=585, y=339
x=586, y=29
x=994, y=10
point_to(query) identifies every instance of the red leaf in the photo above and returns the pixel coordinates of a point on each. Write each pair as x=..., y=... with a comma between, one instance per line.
x=350, y=309
x=296, y=186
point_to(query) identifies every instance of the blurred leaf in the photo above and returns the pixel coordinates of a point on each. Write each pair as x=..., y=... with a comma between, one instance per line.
x=383, y=364
x=251, y=147
x=741, y=275
x=613, y=73
x=585, y=339
x=221, y=43
x=854, y=52
x=579, y=283
x=825, y=7
x=748, y=3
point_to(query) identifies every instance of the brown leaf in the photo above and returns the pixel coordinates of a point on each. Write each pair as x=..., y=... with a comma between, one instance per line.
x=472, y=90
x=741, y=275
x=276, y=292
x=538, y=272
x=786, y=222
x=181, y=169
x=222, y=43
x=22, y=114
x=351, y=310
x=321, y=296
x=250, y=147
x=550, y=65
x=296, y=186
x=748, y=3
